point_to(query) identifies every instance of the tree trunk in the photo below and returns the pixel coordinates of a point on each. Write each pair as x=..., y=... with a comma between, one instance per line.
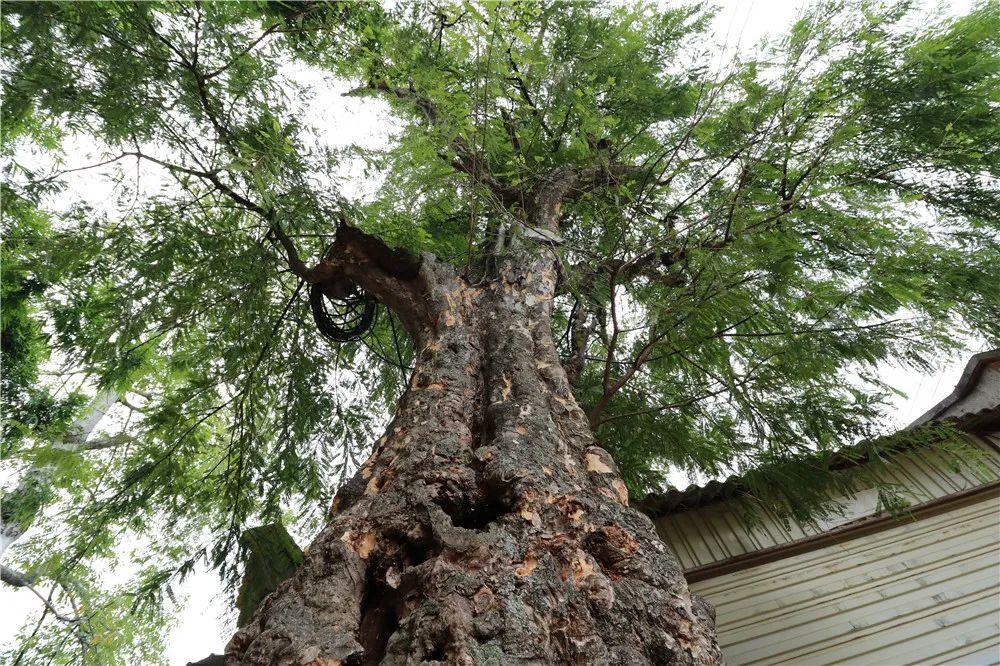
x=486, y=527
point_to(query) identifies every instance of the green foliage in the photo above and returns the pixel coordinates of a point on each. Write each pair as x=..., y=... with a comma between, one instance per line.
x=105, y=626
x=28, y=407
x=786, y=223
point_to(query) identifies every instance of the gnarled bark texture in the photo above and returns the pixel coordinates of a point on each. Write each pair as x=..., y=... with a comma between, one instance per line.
x=486, y=527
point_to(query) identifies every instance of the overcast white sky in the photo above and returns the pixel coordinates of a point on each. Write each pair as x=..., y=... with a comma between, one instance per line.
x=206, y=621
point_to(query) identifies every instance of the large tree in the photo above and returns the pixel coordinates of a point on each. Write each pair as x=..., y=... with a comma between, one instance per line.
x=591, y=251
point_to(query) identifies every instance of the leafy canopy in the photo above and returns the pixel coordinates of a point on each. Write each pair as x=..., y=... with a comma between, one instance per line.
x=748, y=236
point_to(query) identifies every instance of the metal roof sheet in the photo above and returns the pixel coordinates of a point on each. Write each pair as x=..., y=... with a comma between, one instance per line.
x=987, y=419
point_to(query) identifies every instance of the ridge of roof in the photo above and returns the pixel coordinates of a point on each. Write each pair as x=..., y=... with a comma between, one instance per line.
x=968, y=381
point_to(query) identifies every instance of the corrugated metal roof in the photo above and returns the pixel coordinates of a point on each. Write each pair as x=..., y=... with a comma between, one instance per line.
x=704, y=537
x=987, y=419
x=656, y=504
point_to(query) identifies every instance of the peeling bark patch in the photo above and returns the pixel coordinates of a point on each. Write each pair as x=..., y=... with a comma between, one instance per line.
x=595, y=464
x=362, y=544
x=621, y=490
x=615, y=495
x=505, y=392
x=531, y=516
x=529, y=564
x=611, y=546
x=569, y=507
x=582, y=568
x=599, y=461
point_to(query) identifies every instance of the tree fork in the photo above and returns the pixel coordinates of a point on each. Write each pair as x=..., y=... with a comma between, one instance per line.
x=487, y=526
x=396, y=277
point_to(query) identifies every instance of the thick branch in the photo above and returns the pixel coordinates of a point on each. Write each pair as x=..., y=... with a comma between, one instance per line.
x=16, y=578
x=580, y=329
x=355, y=258
x=522, y=87
x=225, y=136
x=391, y=275
x=106, y=443
x=561, y=184
x=275, y=232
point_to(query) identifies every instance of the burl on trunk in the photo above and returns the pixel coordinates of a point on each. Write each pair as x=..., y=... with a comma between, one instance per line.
x=486, y=527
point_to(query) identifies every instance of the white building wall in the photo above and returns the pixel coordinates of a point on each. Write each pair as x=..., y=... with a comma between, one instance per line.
x=923, y=592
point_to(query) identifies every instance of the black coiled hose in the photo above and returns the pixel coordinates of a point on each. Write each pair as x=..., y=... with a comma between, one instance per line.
x=348, y=319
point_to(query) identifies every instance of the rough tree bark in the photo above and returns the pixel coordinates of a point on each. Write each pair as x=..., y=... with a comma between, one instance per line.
x=486, y=527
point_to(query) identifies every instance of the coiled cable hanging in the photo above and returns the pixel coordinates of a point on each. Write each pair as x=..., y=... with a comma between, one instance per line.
x=343, y=319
